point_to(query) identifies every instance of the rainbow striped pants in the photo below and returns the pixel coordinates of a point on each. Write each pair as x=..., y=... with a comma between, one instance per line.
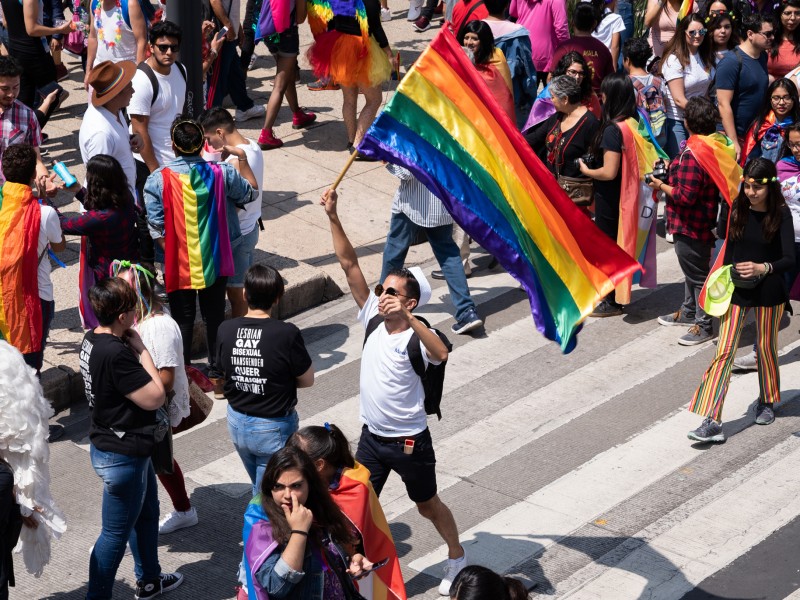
x=710, y=396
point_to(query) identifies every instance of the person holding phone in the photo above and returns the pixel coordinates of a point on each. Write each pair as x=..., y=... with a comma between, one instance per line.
x=298, y=544
x=349, y=486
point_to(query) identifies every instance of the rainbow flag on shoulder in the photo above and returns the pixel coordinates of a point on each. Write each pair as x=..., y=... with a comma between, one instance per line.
x=20, y=307
x=198, y=249
x=444, y=126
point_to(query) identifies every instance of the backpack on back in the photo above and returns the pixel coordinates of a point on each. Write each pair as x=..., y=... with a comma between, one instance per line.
x=650, y=99
x=148, y=70
x=432, y=377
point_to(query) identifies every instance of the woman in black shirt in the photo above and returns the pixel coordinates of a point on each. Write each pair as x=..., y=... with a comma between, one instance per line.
x=760, y=247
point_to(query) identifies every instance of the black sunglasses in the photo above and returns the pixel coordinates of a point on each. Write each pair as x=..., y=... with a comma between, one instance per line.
x=390, y=291
x=164, y=47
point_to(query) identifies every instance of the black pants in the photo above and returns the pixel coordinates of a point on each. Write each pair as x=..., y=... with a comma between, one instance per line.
x=146, y=244
x=37, y=72
x=183, y=306
x=694, y=257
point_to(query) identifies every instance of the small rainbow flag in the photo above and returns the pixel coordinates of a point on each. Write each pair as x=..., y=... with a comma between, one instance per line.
x=687, y=8
x=198, y=249
x=20, y=307
x=444, y=126
x=273, y=18
x=360, y=505
x=716, y=155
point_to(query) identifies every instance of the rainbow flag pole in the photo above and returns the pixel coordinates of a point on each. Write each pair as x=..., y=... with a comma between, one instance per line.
x=444, y=125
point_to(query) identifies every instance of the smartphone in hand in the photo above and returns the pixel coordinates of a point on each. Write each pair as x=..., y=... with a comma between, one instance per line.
x=222, y=33
x=375, y=567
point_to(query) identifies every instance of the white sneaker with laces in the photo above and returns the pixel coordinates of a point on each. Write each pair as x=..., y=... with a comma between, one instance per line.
x=178, y=520
x=257, y=110
x=454, y=566
x=414, y=10
x=386, y=15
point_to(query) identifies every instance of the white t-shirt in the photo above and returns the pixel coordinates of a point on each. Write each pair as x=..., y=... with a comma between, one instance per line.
x=392, y=396
x=248, y=217
x=162, y=338
x=233, y=12
x=168, y=105
x=612, y=23
x=49, y=232
x=125, y=48
x=695, y=81
x=101, y=133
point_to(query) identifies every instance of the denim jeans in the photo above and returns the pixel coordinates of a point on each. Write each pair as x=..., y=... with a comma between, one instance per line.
x=129, y=512
x=676, y=134
x=402, y=232
x=257, y=439
x=625, y=10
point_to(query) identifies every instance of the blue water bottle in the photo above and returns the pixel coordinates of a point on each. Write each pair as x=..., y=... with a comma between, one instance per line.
x=63, y=173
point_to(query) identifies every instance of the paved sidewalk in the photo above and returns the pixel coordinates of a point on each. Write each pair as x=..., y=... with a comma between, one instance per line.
x=296, y=239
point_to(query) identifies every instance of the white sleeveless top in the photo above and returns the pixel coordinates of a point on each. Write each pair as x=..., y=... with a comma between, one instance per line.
x=108, y=48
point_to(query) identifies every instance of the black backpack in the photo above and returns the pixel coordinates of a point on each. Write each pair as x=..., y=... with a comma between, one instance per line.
x=148, y=70
x=432, y=377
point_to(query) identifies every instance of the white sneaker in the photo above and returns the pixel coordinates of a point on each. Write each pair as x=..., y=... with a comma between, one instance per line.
x=414, y=10
x=252, y=62
x=178, y=520
x=452, y=569
x=747, y=362
x=257, y=110
x=670, y=238
x=386, y=14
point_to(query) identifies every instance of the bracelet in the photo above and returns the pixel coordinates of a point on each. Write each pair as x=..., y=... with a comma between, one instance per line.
x=213, y=53
x=242, y=158
x=767, y=268
x=298, y=531
x=660, y=186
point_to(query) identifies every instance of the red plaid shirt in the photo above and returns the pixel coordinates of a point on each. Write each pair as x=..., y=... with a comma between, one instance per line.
x=18, y=125
x=692, y=209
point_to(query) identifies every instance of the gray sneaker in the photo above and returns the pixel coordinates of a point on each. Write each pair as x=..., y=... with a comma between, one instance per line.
x=747, y=362
x=695, y=335
x=764, y=414
x=709, y=431
x=676, y=318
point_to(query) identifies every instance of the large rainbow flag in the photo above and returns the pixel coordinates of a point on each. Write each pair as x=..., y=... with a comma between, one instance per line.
x=636, y=233
x=444, y=126
x=198, y=249
x=360, y=504
x=716, y=155
x=20, y=307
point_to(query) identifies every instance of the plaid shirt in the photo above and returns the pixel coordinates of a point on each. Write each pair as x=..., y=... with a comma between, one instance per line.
x=18, y=125
x=692, y=209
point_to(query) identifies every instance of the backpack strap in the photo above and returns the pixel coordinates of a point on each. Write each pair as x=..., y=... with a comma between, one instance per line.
x=372, y=326
x=471, y=10
x=148, y=70
x=415, y=352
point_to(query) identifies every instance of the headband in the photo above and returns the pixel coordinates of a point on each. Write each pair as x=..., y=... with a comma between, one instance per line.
x=763, y=181
x=196, y=126
x=120, y=265
x=720, y=13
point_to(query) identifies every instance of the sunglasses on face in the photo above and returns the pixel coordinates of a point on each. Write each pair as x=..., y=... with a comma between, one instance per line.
x=389, y=291
x=697, y=33
x=164, y=47
x=767, y=34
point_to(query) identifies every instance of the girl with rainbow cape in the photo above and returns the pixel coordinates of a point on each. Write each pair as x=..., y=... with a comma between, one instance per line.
x=780, y=109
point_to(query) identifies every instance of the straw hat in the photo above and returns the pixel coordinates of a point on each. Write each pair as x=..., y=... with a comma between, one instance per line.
x=109, y=78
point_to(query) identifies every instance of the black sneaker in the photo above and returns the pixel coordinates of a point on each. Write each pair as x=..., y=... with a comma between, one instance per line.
x=709, y=431
x=166, y=582
x=764, y=414
x=606, y=309
x=470, y=321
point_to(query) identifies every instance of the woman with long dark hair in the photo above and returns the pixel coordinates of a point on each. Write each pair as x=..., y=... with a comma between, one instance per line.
x=479, y=583
x=297, y=541
x=780, y=109
x=784, y=55
x=722, y=33
x=477, y=37
x=760, y=248
x=687, y=66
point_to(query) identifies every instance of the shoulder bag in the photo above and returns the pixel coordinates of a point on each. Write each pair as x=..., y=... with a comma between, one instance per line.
x=579, y=189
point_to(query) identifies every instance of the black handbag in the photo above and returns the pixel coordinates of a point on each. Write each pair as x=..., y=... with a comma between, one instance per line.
x=745, y=283
x=162, y=450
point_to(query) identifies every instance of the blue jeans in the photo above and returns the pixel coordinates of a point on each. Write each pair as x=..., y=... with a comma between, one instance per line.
x=257, y=439
x=625, y=10
x=402, y=232
x=676, y=134
x=130, y=512
x=242, y=249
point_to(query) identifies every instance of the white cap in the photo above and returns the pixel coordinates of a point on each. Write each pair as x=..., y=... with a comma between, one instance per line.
x=424, y=286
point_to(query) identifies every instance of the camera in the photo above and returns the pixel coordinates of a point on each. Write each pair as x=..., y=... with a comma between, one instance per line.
x=659, y=172
x=588, y=159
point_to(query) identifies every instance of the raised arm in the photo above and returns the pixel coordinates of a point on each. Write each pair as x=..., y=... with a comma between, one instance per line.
x=344, y=250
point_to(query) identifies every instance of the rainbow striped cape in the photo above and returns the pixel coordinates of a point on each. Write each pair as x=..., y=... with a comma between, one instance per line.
x=20, y=307
x=636, y=234
x=360, y=505
x=444, y=126
x=716, y=155
x=274, y=17
x=198, y=249
x=258, y=545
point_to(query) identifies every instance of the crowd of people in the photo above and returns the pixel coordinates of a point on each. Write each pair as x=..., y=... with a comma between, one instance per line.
x=171, y=215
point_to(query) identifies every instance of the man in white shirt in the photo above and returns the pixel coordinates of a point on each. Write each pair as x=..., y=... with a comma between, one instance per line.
x=159, y=96
x=104, y=129
x=395, y=435
x=220, y=131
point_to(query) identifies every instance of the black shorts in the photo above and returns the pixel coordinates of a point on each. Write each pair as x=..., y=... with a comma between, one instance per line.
x=288, y=43
x=417, y=470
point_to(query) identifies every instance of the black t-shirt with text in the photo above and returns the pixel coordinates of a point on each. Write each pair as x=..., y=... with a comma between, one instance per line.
x=110, y=371
x=261, y=359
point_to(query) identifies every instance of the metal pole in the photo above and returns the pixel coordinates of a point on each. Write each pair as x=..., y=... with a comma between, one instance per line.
x=187, y=14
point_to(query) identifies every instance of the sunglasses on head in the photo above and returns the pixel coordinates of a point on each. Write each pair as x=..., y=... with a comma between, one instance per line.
x=164, y=47
x=389, y=291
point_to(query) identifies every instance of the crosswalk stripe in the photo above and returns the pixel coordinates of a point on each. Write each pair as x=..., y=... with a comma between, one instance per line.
x=597, y=486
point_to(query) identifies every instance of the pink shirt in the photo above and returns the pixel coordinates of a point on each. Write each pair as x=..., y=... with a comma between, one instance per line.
x=546, y=22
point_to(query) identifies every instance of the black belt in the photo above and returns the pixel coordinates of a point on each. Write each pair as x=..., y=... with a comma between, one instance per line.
x=394, y=440
x=282, y=415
